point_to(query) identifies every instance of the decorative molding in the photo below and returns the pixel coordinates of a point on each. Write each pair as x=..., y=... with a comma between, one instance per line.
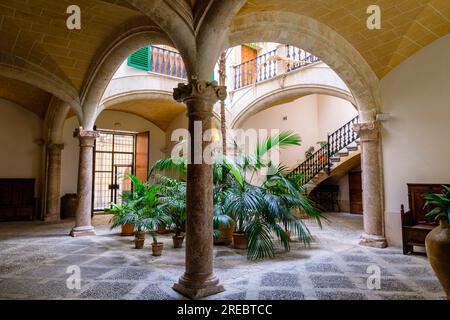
x=87, y=137
x=368, y=131
x=55, y=147
x=200, y=90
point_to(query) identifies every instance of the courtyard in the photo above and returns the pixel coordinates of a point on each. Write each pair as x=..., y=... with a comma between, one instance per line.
x=35, y=256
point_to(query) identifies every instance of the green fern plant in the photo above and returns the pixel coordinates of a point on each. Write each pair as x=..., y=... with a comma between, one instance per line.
x=440, y=203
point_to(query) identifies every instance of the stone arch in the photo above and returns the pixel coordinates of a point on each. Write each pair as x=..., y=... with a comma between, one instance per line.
x=320, y=40
x=105, y=67
x=136, y=95
x=19, y=69
x=274, y=98
x=55, y=118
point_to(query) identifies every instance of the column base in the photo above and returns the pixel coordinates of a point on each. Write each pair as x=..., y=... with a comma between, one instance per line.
x=374, y=241
x=197, y=287
x=82, y=231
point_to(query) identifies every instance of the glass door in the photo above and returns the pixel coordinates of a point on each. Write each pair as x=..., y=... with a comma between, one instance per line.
x=114, y=160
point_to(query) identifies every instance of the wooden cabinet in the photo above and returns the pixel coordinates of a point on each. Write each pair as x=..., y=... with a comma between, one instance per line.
x=17, y=199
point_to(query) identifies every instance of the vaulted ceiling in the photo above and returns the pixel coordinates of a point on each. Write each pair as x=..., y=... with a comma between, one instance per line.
x=25, y=95
x=407, y=25
x=159, y=112
x=35, y=31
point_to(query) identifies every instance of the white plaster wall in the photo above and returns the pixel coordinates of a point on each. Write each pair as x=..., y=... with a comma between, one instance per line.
x=416, y=138
x=112, y=120
x=316, y=75
x=312, y=117
x=20, y=155
x=333, y=113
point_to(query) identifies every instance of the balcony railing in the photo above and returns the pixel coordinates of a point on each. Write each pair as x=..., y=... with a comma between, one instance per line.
x=269, y=65
x=167, y=62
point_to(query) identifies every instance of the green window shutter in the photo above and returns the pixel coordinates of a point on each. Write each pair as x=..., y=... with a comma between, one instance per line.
x=141, y=59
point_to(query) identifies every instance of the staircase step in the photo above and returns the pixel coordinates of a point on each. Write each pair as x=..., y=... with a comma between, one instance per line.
x=343, y=153
x=358, y=142
x=352, y=148
x=335, y=159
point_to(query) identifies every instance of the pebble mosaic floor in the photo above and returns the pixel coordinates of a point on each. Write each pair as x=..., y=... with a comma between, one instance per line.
x=35, y=257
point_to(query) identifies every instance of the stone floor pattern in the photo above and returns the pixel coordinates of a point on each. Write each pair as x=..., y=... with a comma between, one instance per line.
x=34, y=258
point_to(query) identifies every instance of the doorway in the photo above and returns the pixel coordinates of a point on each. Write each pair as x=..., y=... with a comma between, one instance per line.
x=114, y=161
x=355, y=190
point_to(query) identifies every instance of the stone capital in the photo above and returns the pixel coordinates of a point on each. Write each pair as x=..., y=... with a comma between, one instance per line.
x=367, y=131
x=200, y=90
x=87, y=137
x=55, y=146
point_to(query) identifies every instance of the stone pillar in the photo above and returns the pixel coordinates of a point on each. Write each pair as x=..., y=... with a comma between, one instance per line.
x=83, y=226
x=199, y=281
x=369, y=133
x=52, y=207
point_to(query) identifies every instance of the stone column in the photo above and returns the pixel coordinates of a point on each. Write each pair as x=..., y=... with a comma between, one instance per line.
x=52, y=210
x=199, y=281
x=369, y=134
x=83, y=226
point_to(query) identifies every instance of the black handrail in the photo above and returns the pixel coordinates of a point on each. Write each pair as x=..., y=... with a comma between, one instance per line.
x=321, y=159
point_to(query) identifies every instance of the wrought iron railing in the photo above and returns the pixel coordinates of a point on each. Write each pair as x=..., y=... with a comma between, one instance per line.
x=342, y=137
x=167, y=62
x=256, y=70
x=271, y=64
x=321, y=159
x=298, y=58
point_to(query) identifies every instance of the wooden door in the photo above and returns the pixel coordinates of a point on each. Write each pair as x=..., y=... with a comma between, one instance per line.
x=142, y=154
x=248, y=69
x=355, y=186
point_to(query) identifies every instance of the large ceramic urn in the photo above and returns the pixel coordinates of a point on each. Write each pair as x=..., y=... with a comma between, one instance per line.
x=438, y=250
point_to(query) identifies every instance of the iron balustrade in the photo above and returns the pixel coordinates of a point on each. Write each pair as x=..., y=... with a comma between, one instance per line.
x=256, y=70
x=167, y=62
x=267, y=66
x=298, y=58
x=314, y=164
x=321, y=159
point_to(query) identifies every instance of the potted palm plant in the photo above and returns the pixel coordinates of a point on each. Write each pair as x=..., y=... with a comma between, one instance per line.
x=437, y=241
x=172, y=200
x=260, y=206
x=264, y=208
x=119, y=212
x=141, y=210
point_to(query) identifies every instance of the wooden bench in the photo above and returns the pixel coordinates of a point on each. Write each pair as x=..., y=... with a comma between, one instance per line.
x=415, y=227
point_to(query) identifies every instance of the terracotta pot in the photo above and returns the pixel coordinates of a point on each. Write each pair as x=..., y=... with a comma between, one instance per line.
x=178, y=241
x=157, y=248
x=225, y=236
x=288, y=235
x=437, y=244
x=140, y=234
x=127, y=230
x=139, y=243
x=162, y=230
x=240, y=240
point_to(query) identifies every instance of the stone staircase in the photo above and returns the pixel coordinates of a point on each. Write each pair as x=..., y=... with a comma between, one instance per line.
x=340, y=164
x=339, y=154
